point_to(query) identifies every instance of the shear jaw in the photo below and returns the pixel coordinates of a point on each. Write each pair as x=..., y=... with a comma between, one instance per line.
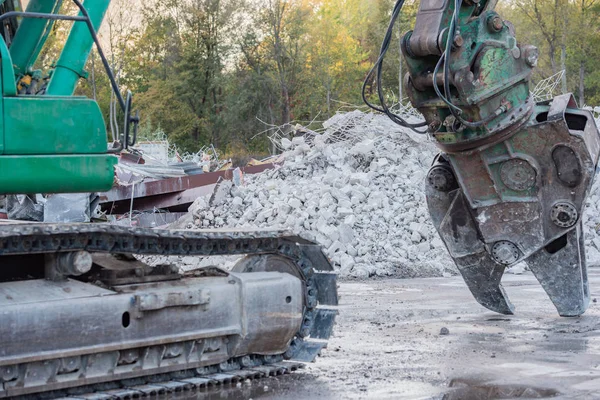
x=560, y=266
x=482, y=276
x=561, y=269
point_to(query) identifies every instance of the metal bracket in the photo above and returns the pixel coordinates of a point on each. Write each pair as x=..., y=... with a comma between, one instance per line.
x=158, y=301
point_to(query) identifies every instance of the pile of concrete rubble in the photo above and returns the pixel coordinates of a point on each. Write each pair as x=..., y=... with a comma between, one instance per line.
x=356, y=189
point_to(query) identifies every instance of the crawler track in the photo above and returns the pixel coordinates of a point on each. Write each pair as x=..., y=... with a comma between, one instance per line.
x=181, y=382
x=44, y=376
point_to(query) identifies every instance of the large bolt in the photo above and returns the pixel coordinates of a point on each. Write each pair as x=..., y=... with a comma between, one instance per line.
x=564, y=214
x=505, y=252
x=441, y=179
x=458, y=40
x=435, y=125
x=74, y=263
x=495, y=23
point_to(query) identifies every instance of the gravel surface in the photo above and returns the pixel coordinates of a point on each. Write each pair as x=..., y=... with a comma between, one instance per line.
x=387, y=345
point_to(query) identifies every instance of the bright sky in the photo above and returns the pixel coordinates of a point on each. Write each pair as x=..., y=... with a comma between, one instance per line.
x=103, y=34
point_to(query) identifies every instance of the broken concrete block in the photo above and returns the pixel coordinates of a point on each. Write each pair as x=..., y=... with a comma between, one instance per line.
x=286, y=143
x=360, y=272
x=298, y=140
x=331, y=176
x=295, y=203
x=344, y=212
x=363, y=148
x=237, y=202
x=359, y=178
x=337, y=246
x=350, y=220
x=346, y=234
x=423, y=247
x=415, y=237
x=221, y=193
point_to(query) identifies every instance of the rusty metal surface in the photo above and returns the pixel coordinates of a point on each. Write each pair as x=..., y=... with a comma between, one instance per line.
x=173, y=202
x=169, y=192
x=522, y=199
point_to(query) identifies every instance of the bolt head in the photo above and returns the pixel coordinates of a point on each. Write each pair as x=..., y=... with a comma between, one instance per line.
x=435, y=125
x=531, y=56
x=497, y=23
x=458, y=41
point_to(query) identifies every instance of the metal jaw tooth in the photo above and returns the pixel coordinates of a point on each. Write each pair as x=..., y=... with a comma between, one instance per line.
x=482, y=275
x=561, y=269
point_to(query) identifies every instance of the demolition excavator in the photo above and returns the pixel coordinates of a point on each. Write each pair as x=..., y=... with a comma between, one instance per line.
x=512, y=177
x=79, y=316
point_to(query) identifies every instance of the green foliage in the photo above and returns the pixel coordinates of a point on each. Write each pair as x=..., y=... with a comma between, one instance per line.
x=567, y=33
x=222, y=71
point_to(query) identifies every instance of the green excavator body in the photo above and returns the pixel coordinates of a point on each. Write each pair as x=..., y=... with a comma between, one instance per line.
x=51, y=141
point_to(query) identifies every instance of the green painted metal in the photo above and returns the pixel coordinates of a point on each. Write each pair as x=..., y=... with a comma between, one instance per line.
x=71, y=64
x=55, y=143
x=51, y=144
x=56, y=174
x=9, y=87
x=53, y=125
x=489, y=78
x=31, y=35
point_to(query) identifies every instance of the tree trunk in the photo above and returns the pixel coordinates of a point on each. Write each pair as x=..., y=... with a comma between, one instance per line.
x=581, y=84
x=563, y=66
x=285, y=104
x=553, y=59
x=583, y=51
x=400, y=57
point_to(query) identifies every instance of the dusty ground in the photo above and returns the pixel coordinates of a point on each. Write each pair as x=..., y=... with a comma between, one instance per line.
x=387, y=345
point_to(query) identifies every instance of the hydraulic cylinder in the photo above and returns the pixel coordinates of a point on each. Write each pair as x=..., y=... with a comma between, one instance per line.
x=71, y=64
x=31, y=35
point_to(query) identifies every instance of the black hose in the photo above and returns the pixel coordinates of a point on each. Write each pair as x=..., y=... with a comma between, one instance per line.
x=456, y=111
x=377, y=71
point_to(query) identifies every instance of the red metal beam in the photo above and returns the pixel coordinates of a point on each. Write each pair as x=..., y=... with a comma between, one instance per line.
x=167, y=193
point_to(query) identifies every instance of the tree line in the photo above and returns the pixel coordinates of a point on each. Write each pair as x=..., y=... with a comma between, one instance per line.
x=221, y=71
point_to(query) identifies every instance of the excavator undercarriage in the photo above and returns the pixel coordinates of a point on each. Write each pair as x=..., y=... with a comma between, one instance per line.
x=84, y=314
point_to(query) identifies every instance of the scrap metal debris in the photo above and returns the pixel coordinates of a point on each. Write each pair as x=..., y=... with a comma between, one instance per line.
x=156, y=182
